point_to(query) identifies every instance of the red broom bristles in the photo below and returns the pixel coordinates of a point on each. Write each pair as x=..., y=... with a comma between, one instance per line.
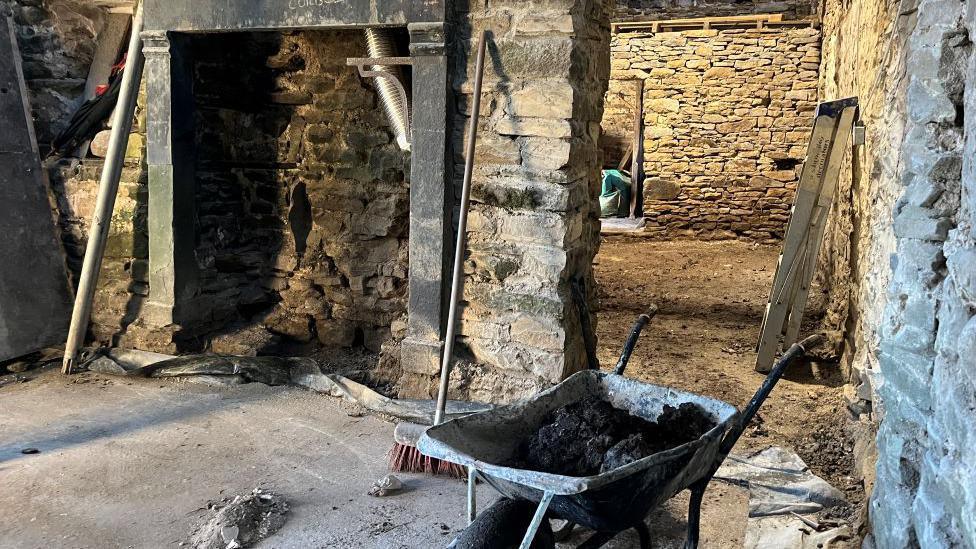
x=408, y=459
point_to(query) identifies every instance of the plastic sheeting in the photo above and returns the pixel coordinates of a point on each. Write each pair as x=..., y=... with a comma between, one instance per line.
x=271, y=370
x=781, y=486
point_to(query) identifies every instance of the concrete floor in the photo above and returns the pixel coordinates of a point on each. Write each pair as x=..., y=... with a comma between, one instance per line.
x=133, y=463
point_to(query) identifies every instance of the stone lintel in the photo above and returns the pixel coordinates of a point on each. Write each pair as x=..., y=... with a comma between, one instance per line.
x=221, y=15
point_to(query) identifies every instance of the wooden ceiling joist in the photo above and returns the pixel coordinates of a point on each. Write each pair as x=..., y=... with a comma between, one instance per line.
x=705, y=23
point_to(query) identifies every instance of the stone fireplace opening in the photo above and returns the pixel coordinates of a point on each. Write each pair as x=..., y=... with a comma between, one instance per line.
x=283, y=214
x=301, y=195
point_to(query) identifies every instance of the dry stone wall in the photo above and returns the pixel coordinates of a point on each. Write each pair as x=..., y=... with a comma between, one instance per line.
x=727, y=119
x=302, y=192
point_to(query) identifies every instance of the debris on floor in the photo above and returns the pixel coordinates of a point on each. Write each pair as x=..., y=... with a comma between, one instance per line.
x=241, y=522
x=783, y=497
x=220, y=370
x=613, y=437
x=386, y=486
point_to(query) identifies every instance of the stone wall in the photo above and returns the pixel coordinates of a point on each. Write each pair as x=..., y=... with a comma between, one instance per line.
x=533, y=225
x=302, y=194
x=899, y=259
x=926, y=476
x=57, y=43
x=863, y=56
x=123, y=280
x=727, y=120
x=627, y=10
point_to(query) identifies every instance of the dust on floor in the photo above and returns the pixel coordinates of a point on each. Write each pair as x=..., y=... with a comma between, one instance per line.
x=135, y=463
x=712, y=296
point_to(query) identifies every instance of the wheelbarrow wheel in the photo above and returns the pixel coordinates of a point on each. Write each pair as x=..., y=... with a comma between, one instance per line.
x=502, y=526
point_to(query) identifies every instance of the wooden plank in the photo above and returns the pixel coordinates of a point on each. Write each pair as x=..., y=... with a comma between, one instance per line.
x=798, y=232
x=638, y=146
x=120, y=7
x=627, y=158
x=732, y=21
x=806, y=195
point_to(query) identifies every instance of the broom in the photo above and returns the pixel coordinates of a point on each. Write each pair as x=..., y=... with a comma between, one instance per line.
x=404, y=456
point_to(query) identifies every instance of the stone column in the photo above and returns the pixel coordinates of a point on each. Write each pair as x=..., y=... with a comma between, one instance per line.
x=431, y=204
x=170, y=158
x=534, y=226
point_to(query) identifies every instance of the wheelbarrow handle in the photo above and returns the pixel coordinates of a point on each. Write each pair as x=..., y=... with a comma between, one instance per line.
x=635, y=333
x=794, y=352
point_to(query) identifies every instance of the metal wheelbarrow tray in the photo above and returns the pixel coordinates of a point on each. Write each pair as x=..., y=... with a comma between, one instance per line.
x=610, y=501
x=613, y=501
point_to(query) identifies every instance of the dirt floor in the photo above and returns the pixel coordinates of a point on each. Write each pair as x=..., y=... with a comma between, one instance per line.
x=712, y=296
x=135, y=462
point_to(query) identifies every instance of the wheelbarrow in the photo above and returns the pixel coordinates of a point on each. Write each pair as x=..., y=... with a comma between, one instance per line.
x=610, y=502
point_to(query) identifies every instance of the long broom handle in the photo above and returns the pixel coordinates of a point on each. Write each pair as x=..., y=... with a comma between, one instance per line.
x=108, y=188
x=458, y=280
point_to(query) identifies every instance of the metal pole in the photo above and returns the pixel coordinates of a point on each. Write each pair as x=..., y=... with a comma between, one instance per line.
x=108, y=187
x=540, y=515
x=458, y=280
x=472, y=494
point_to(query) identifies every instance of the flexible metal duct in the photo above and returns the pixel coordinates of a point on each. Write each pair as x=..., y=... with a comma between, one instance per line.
x=379, y=43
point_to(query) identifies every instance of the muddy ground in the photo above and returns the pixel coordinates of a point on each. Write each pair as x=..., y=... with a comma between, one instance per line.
x=711, y=297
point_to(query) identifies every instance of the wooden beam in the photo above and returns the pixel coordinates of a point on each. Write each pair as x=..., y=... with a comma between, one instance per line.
x=738, y=21
x=638, y=146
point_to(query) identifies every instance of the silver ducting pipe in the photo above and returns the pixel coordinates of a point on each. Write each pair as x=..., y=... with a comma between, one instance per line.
x=379, y=43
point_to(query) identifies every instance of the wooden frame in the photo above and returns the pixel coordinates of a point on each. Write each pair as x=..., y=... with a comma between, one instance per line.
x=832, y=133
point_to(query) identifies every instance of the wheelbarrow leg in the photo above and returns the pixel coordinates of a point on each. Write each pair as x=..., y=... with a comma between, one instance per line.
x=694, y=514
x=472, y=502
x=644, y=534
x=540, y=515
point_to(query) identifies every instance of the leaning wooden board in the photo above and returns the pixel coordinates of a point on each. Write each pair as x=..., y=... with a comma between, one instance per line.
x=832, y=130
x=35, y=297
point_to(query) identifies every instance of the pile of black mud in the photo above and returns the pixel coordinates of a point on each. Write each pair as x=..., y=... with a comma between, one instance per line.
x=590, y=436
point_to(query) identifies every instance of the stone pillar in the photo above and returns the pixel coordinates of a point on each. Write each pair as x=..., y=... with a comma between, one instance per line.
x=534, y=225
x=170, y=158
x=431, y=204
